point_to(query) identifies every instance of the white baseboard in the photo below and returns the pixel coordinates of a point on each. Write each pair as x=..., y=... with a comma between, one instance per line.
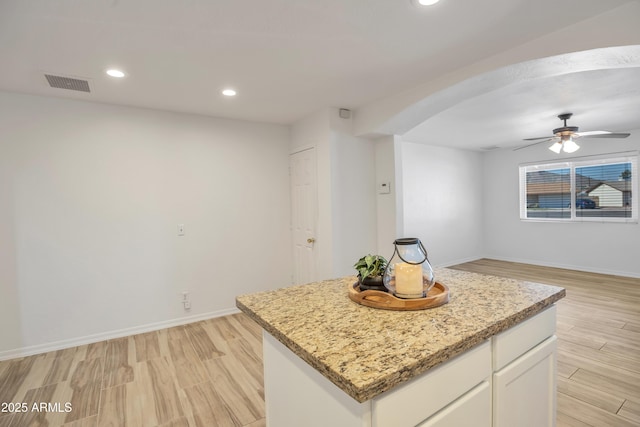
x=566, y=266
x=89, y=339
x=459, y=261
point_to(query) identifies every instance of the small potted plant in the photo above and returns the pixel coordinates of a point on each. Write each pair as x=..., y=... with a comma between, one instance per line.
x=370, y=271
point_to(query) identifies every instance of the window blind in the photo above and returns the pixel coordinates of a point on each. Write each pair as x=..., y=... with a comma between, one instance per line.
x=602, y=189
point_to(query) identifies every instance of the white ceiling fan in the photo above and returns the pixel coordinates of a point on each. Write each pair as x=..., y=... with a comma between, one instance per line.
x=564, y=137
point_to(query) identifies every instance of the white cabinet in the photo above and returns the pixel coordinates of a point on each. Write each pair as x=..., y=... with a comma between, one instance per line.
x=524, y=392
x=297, y=395
x=509, y=380
x=411, y=403
x=517, y=340
x=524, y=379
x=471, y=410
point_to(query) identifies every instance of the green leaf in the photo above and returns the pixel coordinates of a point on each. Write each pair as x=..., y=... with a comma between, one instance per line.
x=371, y=266
x=369, y=260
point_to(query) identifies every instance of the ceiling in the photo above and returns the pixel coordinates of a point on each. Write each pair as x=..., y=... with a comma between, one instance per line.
x=600, y=99
x=290, y=58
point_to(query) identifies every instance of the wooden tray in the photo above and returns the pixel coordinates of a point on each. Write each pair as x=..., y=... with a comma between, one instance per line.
x=438, y=295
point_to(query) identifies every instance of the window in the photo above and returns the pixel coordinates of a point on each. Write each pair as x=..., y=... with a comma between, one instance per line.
x=589, y=189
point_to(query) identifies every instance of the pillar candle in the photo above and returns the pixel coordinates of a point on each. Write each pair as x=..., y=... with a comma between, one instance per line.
x=408, y=280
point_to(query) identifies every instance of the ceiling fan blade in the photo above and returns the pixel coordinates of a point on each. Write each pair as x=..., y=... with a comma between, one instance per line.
x=535, y=139
x=535, y=143
x=601, y=134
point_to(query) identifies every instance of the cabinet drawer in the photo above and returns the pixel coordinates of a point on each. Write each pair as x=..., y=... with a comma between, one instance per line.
x=516, y=341
x=471, y=410
x=420, y=398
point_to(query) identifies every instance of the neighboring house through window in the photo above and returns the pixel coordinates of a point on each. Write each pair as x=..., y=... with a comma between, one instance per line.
x=588, y=189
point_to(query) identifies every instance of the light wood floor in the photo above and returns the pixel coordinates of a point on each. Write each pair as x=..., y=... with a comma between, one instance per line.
x=210, y=373
x=598, y=342
x=207, y=373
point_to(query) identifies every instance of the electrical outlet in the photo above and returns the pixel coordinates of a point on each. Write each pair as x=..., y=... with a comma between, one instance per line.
x=180, y=229
x=186, y=302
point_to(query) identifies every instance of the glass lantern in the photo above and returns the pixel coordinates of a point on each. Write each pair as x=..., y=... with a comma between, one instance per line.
x=408, y=273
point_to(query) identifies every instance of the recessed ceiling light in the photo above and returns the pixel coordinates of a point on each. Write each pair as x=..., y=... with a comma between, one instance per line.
x=426, y=2
x=115, y=73
x=229, y=92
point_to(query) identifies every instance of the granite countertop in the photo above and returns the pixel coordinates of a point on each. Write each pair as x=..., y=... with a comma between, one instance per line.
x=367, y=351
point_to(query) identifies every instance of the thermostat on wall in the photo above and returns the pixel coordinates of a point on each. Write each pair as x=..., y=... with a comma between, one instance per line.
x=384, y=188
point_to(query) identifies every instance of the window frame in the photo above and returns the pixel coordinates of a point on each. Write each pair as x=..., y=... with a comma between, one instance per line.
x=572, y=164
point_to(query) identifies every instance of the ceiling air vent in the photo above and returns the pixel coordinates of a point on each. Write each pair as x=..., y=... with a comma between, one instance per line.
x=61, y=82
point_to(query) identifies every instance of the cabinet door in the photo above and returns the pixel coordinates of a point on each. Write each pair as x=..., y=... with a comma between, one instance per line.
x=471, y=410
x=524, y=392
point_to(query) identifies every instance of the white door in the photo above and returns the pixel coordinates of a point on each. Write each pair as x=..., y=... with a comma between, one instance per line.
x=303, y=214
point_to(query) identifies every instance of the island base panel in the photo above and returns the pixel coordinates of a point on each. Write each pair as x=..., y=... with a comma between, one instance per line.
x=298, y=395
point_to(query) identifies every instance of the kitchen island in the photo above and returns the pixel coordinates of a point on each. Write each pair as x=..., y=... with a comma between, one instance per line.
x=486, y=358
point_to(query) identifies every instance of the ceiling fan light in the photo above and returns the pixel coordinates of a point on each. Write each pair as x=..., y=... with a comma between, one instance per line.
x=564, y=136
x=556, y=147
x=569, y=146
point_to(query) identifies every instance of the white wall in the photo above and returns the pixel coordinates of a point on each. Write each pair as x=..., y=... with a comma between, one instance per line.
x=346, y=219
x=314, y=132
x=599, y=247
x=442, y=201
x=353, y=191
x=90, y=199
x=388, y=206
